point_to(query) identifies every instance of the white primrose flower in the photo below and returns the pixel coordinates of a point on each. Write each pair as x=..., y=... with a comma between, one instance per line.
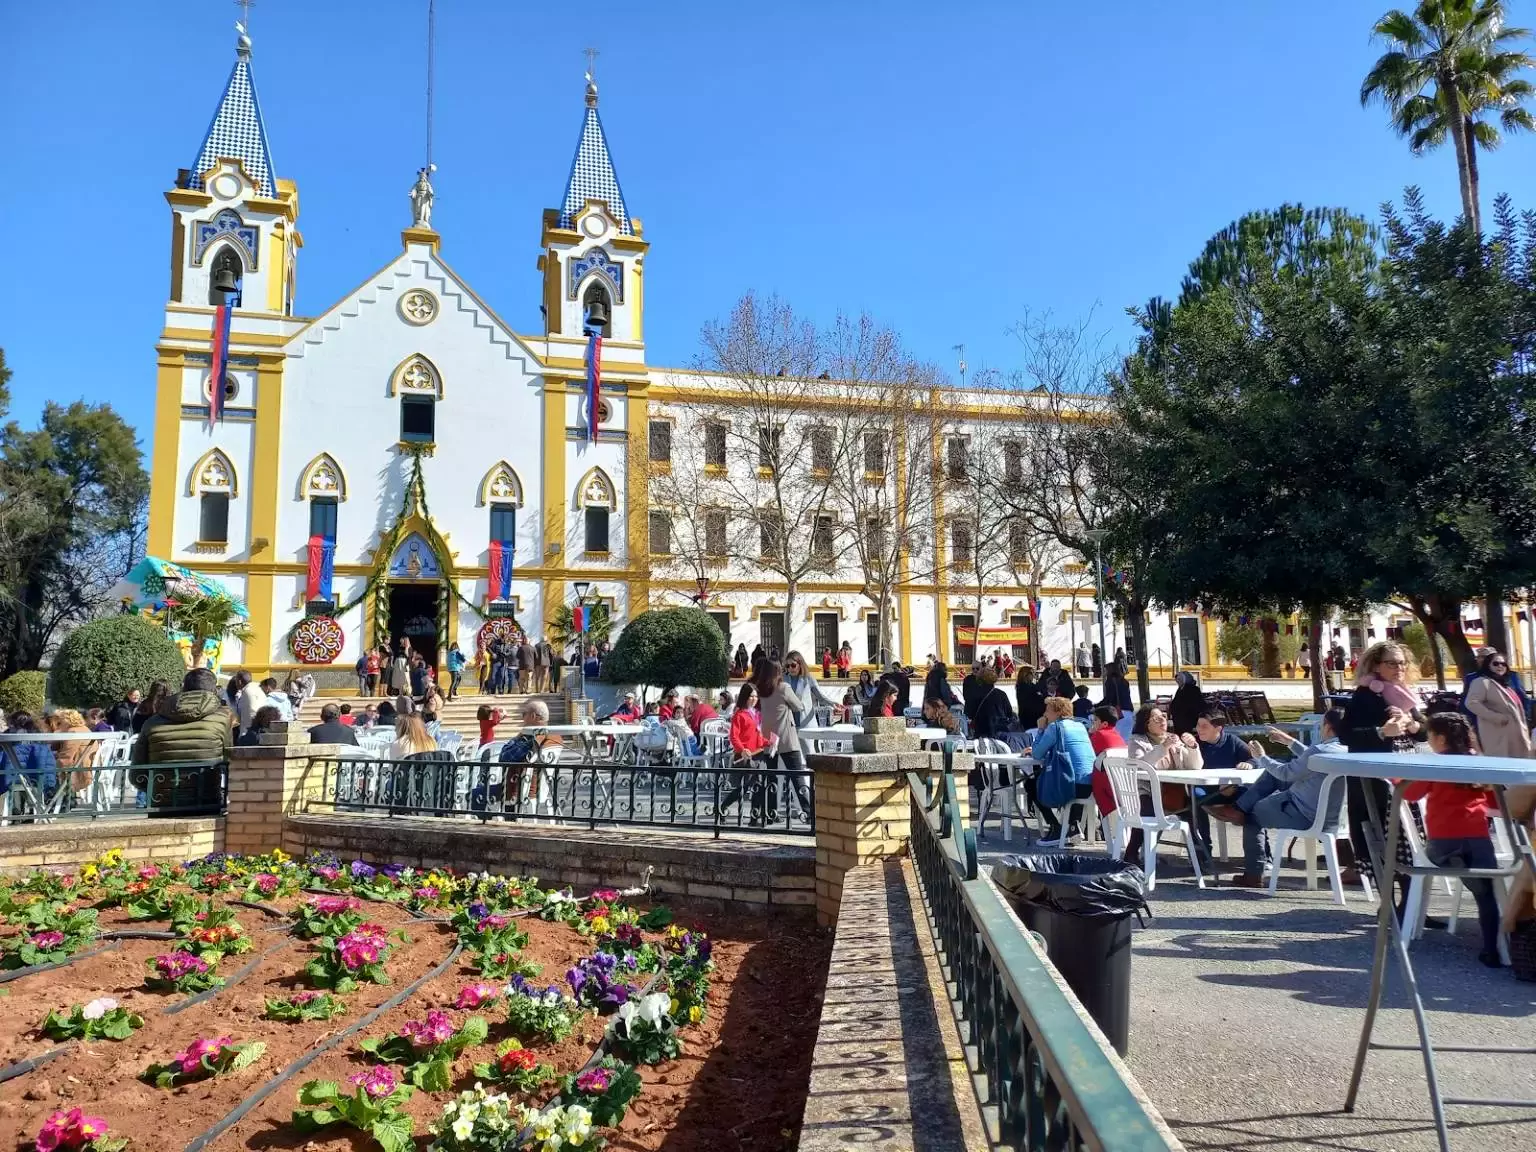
x=98, y=1008
x=626, y=1015
x=463, y=1127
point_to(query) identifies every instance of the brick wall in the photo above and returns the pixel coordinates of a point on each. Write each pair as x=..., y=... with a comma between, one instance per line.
x=68, y=844
x=267, y=783
x=740, y=873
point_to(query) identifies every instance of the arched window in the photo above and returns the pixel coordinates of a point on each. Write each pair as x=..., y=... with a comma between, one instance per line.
x=324, y=485
x=596, y=295
x=598, y=499
x=213, y=482
x=420, y=387
x=224, y=277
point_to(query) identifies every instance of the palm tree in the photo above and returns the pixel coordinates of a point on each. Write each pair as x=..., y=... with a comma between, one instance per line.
x=213, y=617
x=1449, y=67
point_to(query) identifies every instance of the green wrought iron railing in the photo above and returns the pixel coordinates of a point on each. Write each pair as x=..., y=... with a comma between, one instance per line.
x=1046, y=1080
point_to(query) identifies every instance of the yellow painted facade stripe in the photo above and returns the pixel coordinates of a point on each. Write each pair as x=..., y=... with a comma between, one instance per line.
x=162, y=468
x=554, y=479
x=637, y=507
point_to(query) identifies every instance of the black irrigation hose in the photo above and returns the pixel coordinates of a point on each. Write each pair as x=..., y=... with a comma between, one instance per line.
x=18, y=973
x=22, y=1067
x=210, y=993
x=138, y=934
x=313, y=1054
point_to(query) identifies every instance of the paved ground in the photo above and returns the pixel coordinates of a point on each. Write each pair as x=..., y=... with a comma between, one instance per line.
x=1247, y=1010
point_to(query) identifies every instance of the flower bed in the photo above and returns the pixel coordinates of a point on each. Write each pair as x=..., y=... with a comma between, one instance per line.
x=492, y=1052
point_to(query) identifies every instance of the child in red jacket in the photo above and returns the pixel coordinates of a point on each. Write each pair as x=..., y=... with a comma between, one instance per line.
x=1456, y=817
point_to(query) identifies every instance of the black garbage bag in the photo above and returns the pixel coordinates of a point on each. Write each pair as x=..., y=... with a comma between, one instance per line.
x=1073, y=882
x=1081, y=906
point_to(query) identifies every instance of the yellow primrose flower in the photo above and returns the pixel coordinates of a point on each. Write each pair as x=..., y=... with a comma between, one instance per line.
x=672, y=1007
x=111, y=858
x=89, y=872
x=279, y=856
x=600, y=924
x=695, y=1014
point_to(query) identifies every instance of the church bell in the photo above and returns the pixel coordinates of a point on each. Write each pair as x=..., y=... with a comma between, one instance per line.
x=597, y=315
x=224, y=280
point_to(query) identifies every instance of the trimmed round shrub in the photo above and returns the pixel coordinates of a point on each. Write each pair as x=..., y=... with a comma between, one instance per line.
x=24, y=692
x=668, y=646
x=100, y=661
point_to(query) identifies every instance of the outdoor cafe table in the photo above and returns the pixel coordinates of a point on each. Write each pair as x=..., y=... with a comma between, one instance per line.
x=1194, y=778
x=992, y=761
x=33, y=791
x=1495, y=772
x=623, y=736
x=816, y=733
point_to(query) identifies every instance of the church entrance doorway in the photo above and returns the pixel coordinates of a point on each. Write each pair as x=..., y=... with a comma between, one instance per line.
x=415, y=613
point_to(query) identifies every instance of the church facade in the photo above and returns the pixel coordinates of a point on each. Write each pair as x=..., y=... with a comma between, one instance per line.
x=347, y=491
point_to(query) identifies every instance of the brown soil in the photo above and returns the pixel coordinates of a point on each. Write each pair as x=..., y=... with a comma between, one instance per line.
x=740, y=1084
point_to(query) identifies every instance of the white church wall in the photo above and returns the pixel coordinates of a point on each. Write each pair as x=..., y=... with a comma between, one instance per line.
x=337, y=399
x=233, y=437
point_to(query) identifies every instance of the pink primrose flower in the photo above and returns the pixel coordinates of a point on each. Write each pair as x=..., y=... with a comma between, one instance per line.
x=474, y=995
x=436, y=1029
x=594, y=1081
x=378, y=1082
x=48, y=939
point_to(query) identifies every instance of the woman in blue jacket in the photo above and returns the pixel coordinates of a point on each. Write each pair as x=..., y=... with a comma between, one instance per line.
x=38, y=766
x=1062, y=731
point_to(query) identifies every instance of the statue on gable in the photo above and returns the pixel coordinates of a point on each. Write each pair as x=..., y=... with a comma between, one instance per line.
x=422, y=197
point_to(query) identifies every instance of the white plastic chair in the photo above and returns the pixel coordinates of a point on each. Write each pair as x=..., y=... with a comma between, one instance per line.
x=991, y=774
x=1323, y=831
x=1417, y=906
x=1123, y=775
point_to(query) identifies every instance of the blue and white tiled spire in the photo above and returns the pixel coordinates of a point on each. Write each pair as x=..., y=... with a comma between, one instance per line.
x=592, y=175
x=237, y=130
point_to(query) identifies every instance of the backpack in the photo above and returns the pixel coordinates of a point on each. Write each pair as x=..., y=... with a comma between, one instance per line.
x=654, y=737
x=1056, y=783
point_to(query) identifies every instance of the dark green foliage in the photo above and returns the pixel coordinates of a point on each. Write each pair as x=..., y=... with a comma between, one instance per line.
x=669, y=646
x=24, y=692
x=101, y=660
x=72, y=492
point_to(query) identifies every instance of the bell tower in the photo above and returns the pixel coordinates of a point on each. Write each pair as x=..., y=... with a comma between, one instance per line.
x=235, y=235
x=593, y=258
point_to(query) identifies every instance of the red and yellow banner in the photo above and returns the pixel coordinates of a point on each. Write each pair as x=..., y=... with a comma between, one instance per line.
x=1014, y=635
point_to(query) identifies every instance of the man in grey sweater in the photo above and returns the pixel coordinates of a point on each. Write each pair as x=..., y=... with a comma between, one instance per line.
x=1286, y=796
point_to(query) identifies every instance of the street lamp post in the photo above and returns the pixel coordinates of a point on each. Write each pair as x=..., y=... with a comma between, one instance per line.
x=1097, y=536
x=581, y=587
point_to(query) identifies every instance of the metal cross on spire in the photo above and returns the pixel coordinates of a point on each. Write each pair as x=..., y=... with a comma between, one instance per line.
x=591, y=55
x=243, y=27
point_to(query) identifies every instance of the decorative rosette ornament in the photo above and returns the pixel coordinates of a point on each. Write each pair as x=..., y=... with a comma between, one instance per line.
x=502, y=628
x=317, y=640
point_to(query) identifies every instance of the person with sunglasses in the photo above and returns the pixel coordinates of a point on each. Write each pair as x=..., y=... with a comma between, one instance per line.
x=1498, y=709
x=1383, y=715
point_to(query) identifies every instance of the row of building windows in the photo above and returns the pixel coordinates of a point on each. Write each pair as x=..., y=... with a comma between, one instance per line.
x=824, y=450
x=716, y=529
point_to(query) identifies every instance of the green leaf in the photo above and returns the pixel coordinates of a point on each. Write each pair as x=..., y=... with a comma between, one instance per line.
x=318, y=1092
x=658, y=917
x=394, y=1133
x=251, y=1053
x=474, y=1031
x=433, y=1076
x=165, y=1079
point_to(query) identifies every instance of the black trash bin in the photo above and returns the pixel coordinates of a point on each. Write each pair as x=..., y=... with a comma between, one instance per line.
x=1082, y=905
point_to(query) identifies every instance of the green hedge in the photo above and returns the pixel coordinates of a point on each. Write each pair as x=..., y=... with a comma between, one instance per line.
x=99, y=662
x=24, y=692
x=670, y=646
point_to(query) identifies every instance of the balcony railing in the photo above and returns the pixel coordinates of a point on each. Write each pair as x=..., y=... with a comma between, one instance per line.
x=46, y=795
x=1047, y=1082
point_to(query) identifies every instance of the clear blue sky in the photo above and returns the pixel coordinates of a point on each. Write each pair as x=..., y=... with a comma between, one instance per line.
x=944, y=166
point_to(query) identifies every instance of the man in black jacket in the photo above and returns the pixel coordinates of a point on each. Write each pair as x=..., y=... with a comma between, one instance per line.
x=898, y=676
x=331, y=730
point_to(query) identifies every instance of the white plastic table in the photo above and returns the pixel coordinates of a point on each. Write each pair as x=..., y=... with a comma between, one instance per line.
x=589, y=734
x=816, y=733
x=1193, y=778
x=995, y=760
x=1494, y=772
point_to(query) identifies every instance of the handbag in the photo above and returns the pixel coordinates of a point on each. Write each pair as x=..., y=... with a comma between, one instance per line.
x=1056, y=785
